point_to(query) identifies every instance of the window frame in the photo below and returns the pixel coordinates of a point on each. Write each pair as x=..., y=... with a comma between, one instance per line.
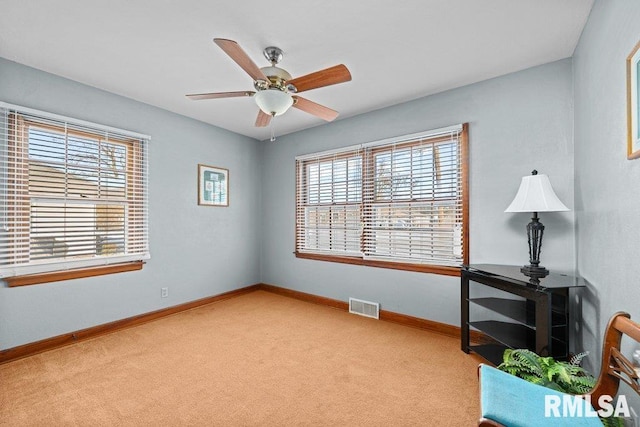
x=134, y=198
x=368, y=172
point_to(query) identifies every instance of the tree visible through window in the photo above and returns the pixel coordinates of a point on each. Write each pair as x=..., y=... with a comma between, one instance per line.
x=66, y=166
x=401, y=202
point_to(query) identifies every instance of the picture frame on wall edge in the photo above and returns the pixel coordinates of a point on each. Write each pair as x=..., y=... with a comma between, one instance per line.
x=633, y=112
x=213, y=186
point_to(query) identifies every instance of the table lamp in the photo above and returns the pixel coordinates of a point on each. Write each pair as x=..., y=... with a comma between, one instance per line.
x=535, y=195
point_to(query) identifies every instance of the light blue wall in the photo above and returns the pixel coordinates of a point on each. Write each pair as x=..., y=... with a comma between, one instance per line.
x=517, y=122
x=606, y=183
x=196, y=251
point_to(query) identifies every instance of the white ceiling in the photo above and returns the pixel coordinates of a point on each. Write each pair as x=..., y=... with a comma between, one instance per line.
x=156, y=51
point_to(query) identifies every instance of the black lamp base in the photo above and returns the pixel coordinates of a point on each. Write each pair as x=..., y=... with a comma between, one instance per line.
x=534, y=271
x=535, y=231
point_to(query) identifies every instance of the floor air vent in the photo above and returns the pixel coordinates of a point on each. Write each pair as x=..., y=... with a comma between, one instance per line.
x=364, y=308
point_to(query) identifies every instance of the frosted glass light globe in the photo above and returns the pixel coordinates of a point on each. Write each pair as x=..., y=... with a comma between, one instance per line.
x=273, y=102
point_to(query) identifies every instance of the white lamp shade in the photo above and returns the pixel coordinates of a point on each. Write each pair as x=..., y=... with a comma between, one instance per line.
x=536, y=195
x=273, y=101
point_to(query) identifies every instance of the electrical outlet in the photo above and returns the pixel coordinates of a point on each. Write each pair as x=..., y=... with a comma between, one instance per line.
x=164, y=292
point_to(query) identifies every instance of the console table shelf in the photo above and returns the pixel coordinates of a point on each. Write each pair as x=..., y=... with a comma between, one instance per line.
x=518, y=311
x=513, y=335
x=533, y=313
x=491, y=352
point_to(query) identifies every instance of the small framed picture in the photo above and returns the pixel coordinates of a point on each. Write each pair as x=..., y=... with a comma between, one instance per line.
x=633, y=118
x=213, y=186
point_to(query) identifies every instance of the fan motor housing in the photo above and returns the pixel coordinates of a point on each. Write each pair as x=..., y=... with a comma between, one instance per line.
x=277, y=79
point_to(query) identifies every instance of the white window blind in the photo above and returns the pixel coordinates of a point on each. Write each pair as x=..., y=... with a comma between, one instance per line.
x=398, y=200
x=329, y=200
x=73, y=194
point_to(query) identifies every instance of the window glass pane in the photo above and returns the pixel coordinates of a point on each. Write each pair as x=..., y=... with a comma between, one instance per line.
x=112, y=165
x=354, y=174
x=110, y=229
x=75, y=166
x=76, y=230
x=383, y=176
x=83, y=152
x=326, y=183
x=82, y=182
x=317, y=234
x=340, y=181
x=447, y=173
x=401, y=174
x=334, y=180
x=46, y=146
x=313, y=179
x=345, y=229
x=423, y=171
x=45, y=179
x=415, y=231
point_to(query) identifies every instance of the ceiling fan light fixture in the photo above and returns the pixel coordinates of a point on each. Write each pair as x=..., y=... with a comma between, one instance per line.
x=274, y=87
x=273, y=101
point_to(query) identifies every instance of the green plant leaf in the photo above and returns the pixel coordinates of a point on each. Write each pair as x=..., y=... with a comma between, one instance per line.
x=566, y=377
x=612, y=422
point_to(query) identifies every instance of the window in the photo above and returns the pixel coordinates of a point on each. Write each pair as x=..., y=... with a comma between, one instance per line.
x=399, y=203
x=73, y=195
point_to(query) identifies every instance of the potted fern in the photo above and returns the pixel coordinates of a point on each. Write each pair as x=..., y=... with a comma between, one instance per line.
x=567, y=377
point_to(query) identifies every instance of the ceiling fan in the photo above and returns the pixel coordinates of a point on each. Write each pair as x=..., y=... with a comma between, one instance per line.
x=275, y=88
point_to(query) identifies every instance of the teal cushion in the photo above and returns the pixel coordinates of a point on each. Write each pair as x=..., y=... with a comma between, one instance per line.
x=515, y=402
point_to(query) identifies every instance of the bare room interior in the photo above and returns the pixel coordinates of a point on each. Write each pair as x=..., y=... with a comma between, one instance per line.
x=217, y=213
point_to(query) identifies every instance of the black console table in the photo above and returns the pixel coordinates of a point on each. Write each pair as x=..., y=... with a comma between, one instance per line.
x=534, y=313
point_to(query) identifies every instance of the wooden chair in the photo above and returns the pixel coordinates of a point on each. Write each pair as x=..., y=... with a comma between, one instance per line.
x=509, y=401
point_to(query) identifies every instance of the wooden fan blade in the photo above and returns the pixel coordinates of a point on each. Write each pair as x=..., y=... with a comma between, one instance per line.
x=263, y=119
x=311, y=107
x=236, y=53
x=327, y=77
x=197, y=96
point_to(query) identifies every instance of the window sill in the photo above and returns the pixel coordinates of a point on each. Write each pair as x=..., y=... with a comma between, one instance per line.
x=56, y=276
x=421, y=268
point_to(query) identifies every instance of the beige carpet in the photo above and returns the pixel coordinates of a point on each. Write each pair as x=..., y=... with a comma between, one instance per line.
x=256, y=360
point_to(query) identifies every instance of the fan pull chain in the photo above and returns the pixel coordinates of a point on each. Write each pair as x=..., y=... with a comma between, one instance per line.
x=273, y=133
